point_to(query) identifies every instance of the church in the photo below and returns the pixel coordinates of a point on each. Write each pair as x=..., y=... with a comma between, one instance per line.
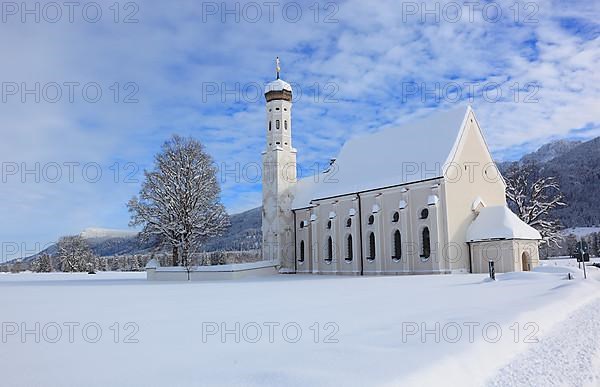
x=423, y=198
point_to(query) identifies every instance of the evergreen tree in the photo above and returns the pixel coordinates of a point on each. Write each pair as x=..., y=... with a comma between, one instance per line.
x=135, y=263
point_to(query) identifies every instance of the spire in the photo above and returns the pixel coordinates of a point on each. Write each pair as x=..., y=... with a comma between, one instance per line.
x=277, y=68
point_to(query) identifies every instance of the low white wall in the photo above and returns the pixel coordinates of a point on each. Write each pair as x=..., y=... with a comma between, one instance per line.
x=208, y=273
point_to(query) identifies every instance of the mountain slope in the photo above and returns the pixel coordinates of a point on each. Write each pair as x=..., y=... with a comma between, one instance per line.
x=576, y=165
x=244, y=234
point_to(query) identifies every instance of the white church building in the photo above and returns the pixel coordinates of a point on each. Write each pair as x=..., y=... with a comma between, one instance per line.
x=422, y=198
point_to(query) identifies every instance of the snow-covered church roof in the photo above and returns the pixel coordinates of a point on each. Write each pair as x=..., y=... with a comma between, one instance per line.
x=499, y=222
x=416, y=151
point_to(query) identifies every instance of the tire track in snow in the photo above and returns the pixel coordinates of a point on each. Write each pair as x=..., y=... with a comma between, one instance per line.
x=568, y=356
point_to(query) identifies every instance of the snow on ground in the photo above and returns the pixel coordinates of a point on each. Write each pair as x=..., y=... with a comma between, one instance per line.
x=411, y=330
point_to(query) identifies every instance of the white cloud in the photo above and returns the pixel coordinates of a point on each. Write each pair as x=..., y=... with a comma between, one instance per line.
x=369, y=54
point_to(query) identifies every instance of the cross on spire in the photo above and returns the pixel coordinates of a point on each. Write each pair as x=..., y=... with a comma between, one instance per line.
x=277, y=68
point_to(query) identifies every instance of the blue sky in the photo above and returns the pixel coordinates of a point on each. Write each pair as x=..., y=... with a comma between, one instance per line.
x=191, y=68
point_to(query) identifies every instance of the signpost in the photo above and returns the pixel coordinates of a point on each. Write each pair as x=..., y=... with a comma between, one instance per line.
x=582, y=255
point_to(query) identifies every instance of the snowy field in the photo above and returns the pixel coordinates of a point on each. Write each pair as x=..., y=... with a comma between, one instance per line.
x=117, y=329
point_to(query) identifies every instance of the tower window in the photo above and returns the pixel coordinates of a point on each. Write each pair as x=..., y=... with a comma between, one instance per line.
x=396, y=217
x=285, y=109
x=424, y=213
x=349, y=222
x=301, y=252
x=329, y=225
x=302, y=224
x=425, y=243
x=371, y=219
x=349, y=252
x=277, y=124
x=270, y=125
x=285, y=124
x=397, y=246
x=277, y=109
x=372, y=251
x=329, y=250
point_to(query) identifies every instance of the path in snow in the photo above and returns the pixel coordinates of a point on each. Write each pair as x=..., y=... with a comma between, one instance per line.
x=568, y=356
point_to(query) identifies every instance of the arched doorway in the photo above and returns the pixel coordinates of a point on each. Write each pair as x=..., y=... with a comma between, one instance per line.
x=525, y=265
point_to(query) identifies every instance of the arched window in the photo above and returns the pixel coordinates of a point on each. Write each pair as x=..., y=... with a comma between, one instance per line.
x=424, y=213
x=397, y=246
x=396, y=217
x=349, y=222
x=329, y=250
x=329, y=224
x=349, y=252
x=302, y=224
x=285, y=124
x=276, y=124
x=301, y=251
x=372, y=251
x=270, y=125
x=371, y=219
x=425, y=243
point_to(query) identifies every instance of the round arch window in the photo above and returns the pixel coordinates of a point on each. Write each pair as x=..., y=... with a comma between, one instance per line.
x=396, y=217
x=371, y=219
x=424, y=213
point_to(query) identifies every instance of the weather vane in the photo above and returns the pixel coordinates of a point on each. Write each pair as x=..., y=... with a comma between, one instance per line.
x=277, y=67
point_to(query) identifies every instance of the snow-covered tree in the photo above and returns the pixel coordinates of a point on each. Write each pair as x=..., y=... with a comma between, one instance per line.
x=180, y=199
x=104, y=266
x=533, y=197
x=74, y=254
x=135, y=263
x=114, y=263
x=43, y=264
x=123, y=265
x=595, y=245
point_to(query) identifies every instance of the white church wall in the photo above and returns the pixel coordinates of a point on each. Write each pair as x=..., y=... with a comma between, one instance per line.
x=507, y=255
x=408, y=201
x=303, y=242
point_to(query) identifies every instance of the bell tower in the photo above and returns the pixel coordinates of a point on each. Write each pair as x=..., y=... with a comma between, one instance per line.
x=278, y=176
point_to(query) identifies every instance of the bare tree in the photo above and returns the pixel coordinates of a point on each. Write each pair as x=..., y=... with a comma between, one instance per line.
x=74, y=254
x=180, y=199
x=533, y=197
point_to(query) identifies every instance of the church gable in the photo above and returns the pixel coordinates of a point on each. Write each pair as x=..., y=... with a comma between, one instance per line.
x=471, y=158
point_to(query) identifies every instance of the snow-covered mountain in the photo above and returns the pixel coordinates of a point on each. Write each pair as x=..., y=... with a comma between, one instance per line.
x=550, y=151
x=576, y=165
x=103, y=233
x=244, y=234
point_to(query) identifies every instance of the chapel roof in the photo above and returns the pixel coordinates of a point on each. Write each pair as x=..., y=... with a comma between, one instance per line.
x=415, y=151
x=499, y=222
